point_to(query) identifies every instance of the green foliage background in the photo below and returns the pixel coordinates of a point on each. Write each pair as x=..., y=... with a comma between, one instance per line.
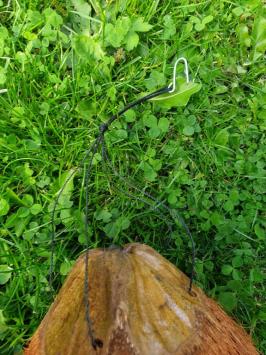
x=65, y=66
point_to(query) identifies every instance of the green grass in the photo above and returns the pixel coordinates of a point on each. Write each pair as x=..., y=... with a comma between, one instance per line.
x=65, y=74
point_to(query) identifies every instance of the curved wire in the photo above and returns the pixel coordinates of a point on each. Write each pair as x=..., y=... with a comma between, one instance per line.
x=53, y=236
x=99, y=141
x=186, y=73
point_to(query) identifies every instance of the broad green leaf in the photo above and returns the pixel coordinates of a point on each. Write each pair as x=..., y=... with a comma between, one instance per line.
x=194, y=19
x=156, y=79
x=262, y=315
x=87, y=47
x=149, y=172
x=261, y=46
x=154, y=132
x=256, y=275
x=36, y=209
x=112, y=229
x=44, y=108
x=66, y=181
x=222, y=137
x=229, y=206
x=116, y=33
x=63, y=37
x=2, y=45
x=178, y=98
x=228, y=300
x=123, y=222
x=82, y=238
x=139, y=25
x=199, y=27
x=156, y=164
x=237, y=275
x=86, y=108
x=66, y=217
x=132, y=40
x=234, y=195
x=169, y=27
x=130, y=115
x=52, y=18
x=111, y=92
x=3, y=326
x=220, y=89
x=34, y=19
x=172, y=197
x=191, y=120
x=237, y=261
x=207, y=19
x=27, y=200
x=20, y=225
x=30, y=36
x=260, y=233
x=209, y=265
x=243, y=35
x=23, y=212
x=2, y=75
x=120, y=133
x=4, y=207
x=103, y=215
x=3, y=32
x=27, y=170
x=82, y=6
x=188, y=130
x=111, y=37
x=227, y=269
x=11, y=220
x=150, y=121
x=238, y=11
x=151, y=152
x=216, y=218
x=259, y=37
x=163, y=124
x=5, y=274
x=234, y=285
x=66, y=185
x=65, y=267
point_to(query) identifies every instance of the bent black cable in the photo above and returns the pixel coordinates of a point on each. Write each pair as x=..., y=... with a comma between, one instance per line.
x=97, y=343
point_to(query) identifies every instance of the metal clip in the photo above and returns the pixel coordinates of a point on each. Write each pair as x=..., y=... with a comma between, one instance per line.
x=173, y=83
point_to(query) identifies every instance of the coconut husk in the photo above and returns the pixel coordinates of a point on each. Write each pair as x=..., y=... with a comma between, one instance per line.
x=139, y=305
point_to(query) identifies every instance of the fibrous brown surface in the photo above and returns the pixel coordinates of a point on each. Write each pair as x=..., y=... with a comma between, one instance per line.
x=139, y=305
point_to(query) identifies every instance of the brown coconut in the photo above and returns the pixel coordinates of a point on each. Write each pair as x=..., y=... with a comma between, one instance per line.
x=139, y=305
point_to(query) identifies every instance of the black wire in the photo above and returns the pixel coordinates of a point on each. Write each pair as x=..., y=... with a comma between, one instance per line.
x=165, y=207
x=53, y=237
x=106, y=125
x=94, y=341
x=146, y=202
x=97, y=343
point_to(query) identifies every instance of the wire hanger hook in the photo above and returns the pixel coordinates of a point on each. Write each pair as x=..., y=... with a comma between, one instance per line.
x=173, y=83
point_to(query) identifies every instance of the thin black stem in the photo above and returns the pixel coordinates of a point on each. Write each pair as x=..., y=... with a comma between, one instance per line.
x=95, y=342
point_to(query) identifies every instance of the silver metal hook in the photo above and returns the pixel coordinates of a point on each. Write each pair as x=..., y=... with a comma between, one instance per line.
x=173, y=83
